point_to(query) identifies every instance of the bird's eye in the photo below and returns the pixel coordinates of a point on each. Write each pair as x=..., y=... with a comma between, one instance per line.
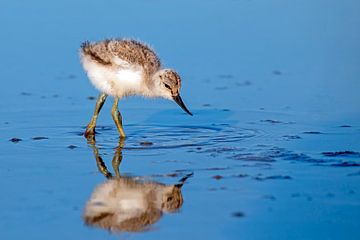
x=169, y=199
x=167, y=86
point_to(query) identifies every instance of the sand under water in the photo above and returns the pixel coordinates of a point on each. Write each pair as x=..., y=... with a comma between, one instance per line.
x=272, y=151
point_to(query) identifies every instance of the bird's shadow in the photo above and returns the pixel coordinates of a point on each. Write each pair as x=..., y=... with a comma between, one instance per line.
x=128, y=204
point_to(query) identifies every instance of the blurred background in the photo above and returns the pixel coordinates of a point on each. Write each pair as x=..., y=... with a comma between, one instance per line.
x=259, y=76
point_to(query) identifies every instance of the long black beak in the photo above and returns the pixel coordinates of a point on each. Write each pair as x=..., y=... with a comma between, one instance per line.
x=179, y=101
x=183, y=180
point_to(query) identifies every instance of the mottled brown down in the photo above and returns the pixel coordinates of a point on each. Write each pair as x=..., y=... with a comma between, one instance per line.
x=128, y=50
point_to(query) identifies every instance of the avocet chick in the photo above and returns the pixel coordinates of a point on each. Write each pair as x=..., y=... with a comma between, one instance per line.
x=125, y=67
x=125, y=204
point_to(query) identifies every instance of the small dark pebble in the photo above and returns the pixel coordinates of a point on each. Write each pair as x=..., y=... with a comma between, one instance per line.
x=271, y=121
x=91, y=98
x=341, y=153
x=15, y=140
x=238, y=214
x=275, y=177
x=26, y=94
x=276, y=72
x=345, y=164
x=241, y=175
x=294, y=195
x=312, y=132
x=246, y=83
x=291, y=137
x=330, y=195
x=345, y=126
x=172, y=174
x=216, y=168
x=206, y=105
x=217, y=177
x=39, y=138
x=270, y=197
x=245, y=157
x=71, y=146
x=71, y=76
x=145, y=143
x=75, y=208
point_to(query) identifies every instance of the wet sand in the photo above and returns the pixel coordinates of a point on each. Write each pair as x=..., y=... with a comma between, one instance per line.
x=273, y=147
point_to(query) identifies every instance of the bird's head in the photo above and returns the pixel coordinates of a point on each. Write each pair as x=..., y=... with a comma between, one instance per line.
x=169, y=84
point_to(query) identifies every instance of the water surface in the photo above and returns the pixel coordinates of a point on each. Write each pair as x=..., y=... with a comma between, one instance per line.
x=273, y=146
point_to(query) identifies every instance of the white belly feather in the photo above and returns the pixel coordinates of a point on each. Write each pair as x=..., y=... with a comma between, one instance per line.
x=120, y=81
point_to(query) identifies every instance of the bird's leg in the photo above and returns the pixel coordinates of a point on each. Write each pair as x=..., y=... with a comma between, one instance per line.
x=90, y=129
x=99, y=162
x=117, y=117
x=118, y=157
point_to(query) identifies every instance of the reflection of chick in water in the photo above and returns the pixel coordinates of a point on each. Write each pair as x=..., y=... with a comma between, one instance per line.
x=126, y=204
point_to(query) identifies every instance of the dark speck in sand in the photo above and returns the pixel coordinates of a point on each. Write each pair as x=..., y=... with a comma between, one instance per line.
x=71, y=146
x=242, y=84
x=312, y=132
x=276, y=72
x=91, y=98
x=26, y=94
x=238, y=214
x=341, y=154
x=146, y=143
x=295, y=195
x=15, y=140
x=269, y=197
x=345, y=126
x=173, y=174
x=250, y=158
x=216, y=169
x=71, y=76
x=275, y=177
x=270, y=121
x=39, y=138
x=345, y=164
x=330, y=195
x=291, y=137
x=206, y=105
x=241, y=175
x=217, y=177
x=55, y=95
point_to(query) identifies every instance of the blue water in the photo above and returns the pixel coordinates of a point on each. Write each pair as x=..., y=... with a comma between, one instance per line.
x=273, y=144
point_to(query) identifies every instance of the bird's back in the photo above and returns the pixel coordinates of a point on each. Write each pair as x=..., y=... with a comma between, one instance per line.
x=133, y=52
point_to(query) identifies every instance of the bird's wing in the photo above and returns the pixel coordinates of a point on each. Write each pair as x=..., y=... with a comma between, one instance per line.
x=121, y=63
x=123, y=53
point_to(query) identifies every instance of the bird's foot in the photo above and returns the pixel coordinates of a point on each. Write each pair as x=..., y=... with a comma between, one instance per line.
x=90, y=133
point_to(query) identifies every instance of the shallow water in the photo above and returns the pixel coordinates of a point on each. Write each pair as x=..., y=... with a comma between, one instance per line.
x=273, y=145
